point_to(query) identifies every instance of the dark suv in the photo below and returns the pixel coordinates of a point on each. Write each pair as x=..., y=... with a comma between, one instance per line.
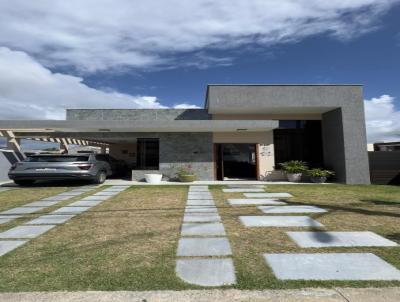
x=95, y=168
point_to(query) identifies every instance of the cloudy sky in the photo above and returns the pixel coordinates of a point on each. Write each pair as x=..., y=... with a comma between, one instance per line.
x=155, y=53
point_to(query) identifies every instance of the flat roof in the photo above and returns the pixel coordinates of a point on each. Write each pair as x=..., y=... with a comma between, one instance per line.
x=51, y=126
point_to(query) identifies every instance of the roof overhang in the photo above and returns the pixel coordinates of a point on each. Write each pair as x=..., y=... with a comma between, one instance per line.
x=52, y=126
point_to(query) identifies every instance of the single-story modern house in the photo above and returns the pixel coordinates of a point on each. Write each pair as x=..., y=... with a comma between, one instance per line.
x=243, y=132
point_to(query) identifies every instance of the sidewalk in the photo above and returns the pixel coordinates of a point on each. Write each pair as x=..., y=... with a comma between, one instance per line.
x=230, y=295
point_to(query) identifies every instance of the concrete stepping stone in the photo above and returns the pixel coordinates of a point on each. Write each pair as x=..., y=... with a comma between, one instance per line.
x=102, y=193
x=85, y=203
x=198, y=196
x=50, y=219
x=41, y=203
x=57, y=198
x=200, y=202
x=201, y=218
x=331, y=266
x=291, y=209
x=198, y=190
x=253, y=201
x=203, y=229
x=117, y=190
x=7, y=246
x=8, y=218
x=95, y=198
x=242, y=190
x=201, y=209
x=26, y=231
x=198, y=187
x=206, y=272
x=268, y=195
x=22, y=210
x=198, y=247
x=246, y=186
x=4, y=189
x=333, y=239
x=279, y=221
x=70, y=210
x=70, y=193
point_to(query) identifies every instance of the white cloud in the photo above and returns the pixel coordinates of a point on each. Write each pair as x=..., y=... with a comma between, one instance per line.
x=94, y=35
x=186, y=106
x=30, y=91
x=382, y=119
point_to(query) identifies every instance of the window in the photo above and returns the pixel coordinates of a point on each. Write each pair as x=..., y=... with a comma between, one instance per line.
x=56, y=159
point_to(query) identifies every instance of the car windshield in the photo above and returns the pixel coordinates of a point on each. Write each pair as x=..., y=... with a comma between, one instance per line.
x=56, y=159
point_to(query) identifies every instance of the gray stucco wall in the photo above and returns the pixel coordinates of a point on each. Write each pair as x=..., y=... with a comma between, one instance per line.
x=343, y=120
x=137, y=114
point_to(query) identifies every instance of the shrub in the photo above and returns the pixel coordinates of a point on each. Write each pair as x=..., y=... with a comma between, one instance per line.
x=294, y=166
x=319, y=172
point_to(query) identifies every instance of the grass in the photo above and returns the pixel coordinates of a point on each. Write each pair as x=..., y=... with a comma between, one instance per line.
x=129, y=242
x=351, y=208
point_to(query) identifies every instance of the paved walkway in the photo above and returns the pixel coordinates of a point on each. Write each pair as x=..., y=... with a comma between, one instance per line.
x=39, y=205
x=231, y=295
x=318, y=266
x=19, y=235
x=203, y=235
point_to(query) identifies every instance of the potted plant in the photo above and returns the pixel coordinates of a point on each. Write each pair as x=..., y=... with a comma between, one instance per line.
x=186, y=174
x=319, y=175
x=153, y=178
x=294, y=169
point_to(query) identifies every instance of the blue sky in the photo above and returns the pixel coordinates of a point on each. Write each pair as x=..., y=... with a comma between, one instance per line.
x=157, y=54
x=372, y=59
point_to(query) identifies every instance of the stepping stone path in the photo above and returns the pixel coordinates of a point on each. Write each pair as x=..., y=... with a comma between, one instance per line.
x=279, y=221
x=339, y=239
x=255, y=201
x=46, y=222
x=203, y=235
x=36, y=206
x=291, y=209
x=268, y=195
x=3, y=190
x=331, y=266
x=9, y=245
x=317, y=266
x=242, y=190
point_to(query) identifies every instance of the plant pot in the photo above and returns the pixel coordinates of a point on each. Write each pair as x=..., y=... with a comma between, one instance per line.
x=187, y=177
x=318, y=179
x=153, y=178
x=294, y=177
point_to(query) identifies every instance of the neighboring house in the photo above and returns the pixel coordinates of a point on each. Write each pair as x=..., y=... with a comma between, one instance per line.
x=388, y=146
x=243, y=132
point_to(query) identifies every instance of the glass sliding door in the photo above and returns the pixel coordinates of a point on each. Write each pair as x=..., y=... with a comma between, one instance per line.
x=236, y=161
x=148, y=157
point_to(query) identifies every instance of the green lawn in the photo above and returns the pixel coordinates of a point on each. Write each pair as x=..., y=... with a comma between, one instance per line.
x=129, y=242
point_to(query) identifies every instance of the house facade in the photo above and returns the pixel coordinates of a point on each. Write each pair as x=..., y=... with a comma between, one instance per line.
x=243, y=132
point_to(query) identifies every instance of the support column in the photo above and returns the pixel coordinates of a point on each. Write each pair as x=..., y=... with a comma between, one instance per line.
x=345, y=144
x=13, y=143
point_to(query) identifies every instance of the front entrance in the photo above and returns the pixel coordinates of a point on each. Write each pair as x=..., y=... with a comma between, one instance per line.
x=236, y=161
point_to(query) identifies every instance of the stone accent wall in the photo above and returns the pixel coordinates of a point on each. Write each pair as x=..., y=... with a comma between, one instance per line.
x=184, y=150
x=137, y=114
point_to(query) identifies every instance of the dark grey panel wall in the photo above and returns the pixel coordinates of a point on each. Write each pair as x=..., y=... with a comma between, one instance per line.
x=333, y=143
x=137, y=114
x=345, y=145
